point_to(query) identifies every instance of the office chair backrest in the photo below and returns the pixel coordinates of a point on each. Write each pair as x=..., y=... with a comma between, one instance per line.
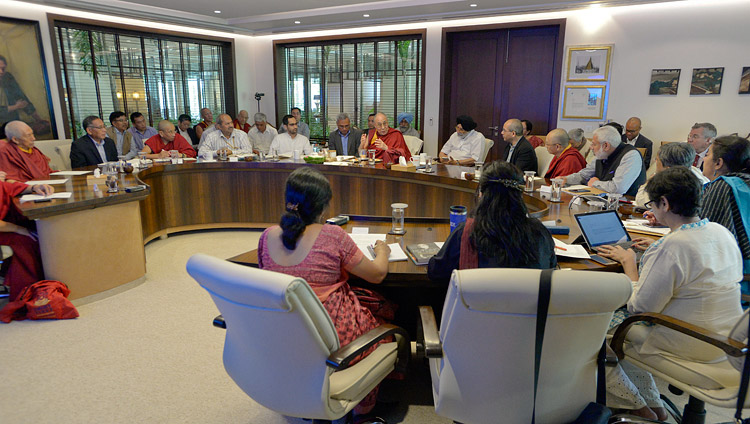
x=278, y=335
x=487, y=331
x=414, y=144
x=488, y=143
x=543, y=159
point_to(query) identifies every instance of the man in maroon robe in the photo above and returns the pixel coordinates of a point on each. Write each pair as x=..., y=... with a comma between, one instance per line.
x=17, y=231
x=388, y=142
x=159, y=145
x=20, y=160
x=567, y=159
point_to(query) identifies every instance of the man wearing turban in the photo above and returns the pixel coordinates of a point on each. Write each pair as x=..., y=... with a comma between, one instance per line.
x=465, y=146
x=404, y=120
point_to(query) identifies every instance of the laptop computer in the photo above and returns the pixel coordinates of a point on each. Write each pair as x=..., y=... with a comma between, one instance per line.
x=604, y=228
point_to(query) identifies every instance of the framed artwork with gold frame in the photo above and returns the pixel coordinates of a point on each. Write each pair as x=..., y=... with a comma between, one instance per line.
x=589, y=63
x=584, y=101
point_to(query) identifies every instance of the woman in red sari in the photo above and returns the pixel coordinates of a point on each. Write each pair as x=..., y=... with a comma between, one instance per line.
x=323, y=255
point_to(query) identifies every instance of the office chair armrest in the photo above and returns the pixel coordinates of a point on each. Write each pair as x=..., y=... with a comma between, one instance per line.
x=729, y=346
x=428, y=339
x=219, y=322
x=341, y=358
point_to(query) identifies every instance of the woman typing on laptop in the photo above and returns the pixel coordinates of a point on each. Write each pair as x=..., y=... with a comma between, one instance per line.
x=690, y=274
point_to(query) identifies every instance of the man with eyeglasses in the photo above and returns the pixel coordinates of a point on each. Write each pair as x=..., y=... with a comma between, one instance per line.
x=387, y=142
x=702, y=134
x=465, y=146
x=518, y=151
x=119, y=133
x=94, y=147
x=634, y=137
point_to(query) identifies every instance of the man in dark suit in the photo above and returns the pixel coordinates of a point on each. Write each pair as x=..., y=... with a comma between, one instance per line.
x=185, y=129
x=634, y=137
x=94, y=147
x=345, y=140
x=518, y=151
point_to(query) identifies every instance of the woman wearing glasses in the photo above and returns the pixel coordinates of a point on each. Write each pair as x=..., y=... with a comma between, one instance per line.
x=690, y=274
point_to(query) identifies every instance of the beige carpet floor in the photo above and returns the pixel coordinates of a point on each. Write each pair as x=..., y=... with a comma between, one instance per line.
x=151, y=355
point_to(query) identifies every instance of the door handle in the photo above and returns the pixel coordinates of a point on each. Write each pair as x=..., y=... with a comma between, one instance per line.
x=494, y=129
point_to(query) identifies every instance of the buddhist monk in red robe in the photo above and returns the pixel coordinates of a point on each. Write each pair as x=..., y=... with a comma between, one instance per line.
x=567, y=159
x=241, y=122
x=17, y=231
x=20, y=160
x=388, y=142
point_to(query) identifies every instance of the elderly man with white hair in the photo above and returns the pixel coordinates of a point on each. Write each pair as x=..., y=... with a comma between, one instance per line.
x=261, y=134
x=404, y=120
x=19, y=158
x=618, y=167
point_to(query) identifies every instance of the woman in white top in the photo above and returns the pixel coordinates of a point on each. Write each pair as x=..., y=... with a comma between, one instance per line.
x=691, y=274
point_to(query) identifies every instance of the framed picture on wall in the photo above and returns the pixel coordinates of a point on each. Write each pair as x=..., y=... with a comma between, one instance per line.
x=589, y=63
x=706, y=81
x=24, y=86
x=584, y=101
x=745, y=80
x=664, y=82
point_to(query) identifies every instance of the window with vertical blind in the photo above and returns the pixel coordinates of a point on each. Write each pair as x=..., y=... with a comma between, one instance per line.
x=110, y=69
x=357, y=77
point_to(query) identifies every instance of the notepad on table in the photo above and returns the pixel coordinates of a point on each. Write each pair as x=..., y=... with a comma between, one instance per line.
x=32, y=197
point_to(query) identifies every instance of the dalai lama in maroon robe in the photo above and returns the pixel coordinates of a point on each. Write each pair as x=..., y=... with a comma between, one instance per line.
x=388, y=142
x=20, y=160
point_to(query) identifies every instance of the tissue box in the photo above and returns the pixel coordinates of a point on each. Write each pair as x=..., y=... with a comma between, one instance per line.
x=91, y=180
x=407, y=168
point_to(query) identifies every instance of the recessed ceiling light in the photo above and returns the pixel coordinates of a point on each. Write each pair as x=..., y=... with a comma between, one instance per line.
x=297, y=22
x=473, y=5
x=217, y=11
x=366, y=15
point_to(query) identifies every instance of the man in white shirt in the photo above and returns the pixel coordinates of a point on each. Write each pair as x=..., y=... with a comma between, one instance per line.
x=261, y=134
x=702, y=134
x=465, y=146
x=286, y=143
x=228, y=138
x=207, y=132
x=302, y=128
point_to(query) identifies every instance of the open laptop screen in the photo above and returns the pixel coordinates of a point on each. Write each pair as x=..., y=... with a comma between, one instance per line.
x=601, y=228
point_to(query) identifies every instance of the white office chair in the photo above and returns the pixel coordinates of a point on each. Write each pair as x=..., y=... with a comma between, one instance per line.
x=63, y=151
x=414, y=144
x=482, y=360
x=488, y=143
x=543, y=159
x=716, y=383
x=281, y=346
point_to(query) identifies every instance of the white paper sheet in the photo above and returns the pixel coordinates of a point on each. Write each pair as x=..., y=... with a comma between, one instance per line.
x=50, y=182
x=61, y=173
x=397, y=253
x=570, y=250
x=31, y=197
x=361, y=230
x=641, y=226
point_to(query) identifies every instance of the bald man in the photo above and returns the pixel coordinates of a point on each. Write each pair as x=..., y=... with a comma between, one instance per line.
x=567, y=160
x=241, y=122
x=518, y=151
x=167, y=139
x=19, y=158
x=208, y=121
x=227, y=138
x=634, y=137
x=388, y=142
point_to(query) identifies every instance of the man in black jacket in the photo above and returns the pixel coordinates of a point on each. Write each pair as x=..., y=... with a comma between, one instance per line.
x=94, y=147
x=518, y=151
x=345, y=140
x=634, y=137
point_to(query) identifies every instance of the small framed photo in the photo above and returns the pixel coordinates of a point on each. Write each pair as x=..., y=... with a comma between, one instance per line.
x=745, y=80
x=589, y=63
x=664, y=82
x=584, y=101
x=706, y=81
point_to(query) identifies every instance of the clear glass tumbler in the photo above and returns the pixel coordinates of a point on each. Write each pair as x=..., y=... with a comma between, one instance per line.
x=397, y=226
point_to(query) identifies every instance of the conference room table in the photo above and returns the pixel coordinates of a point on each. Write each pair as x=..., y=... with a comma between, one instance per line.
x=94, y=240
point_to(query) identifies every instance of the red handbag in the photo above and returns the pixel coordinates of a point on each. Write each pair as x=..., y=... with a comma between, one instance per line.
x=46, y=299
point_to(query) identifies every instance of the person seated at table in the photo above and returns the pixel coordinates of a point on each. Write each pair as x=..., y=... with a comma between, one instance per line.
x=518, y=151
x=167, y=139
x=285, y=143
x=94, y=147
x=465, y=146
x=18, y=232
x=500, y=234
x=324, y=255
x=672, y=154
x=690, y=274
x=534, y=140
x=618, y=167
x=19, y=158
x=404, y=120
x=726, y=199
x=388, y=142
x=567, y=159
x=228, y=138
x=579, y=141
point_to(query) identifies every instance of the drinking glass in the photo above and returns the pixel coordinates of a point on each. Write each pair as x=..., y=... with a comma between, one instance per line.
x=141, y=159
x=557, y=184
x=397, y=226
x=478, y=170
x=613, y=201
x=528, y=177
x=371, y=155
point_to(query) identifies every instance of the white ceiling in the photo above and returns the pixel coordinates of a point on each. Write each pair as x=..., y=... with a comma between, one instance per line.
x=257, y=17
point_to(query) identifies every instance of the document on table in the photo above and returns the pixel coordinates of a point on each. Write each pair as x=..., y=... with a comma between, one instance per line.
x=642, y=226
x=50, y=182
x=364, y=241
x=570, y=250
x=71, y=173
x=31, y=197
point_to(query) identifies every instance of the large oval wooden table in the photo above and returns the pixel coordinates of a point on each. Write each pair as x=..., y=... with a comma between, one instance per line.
x=94, y=241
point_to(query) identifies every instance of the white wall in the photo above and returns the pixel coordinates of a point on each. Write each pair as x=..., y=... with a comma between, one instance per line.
x=685, y=34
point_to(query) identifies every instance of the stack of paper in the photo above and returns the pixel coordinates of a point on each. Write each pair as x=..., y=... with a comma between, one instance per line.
x=70, y=173
x=50, y=182
x=570, y=250
x=642, y=226
x=31, y=197
x=364, y=241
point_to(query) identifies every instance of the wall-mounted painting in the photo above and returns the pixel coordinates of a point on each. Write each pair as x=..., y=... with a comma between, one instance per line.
x=584, y=101
x=589, y=63
x=24, y=87
x=706, y=81
x=745, y=80
x=664, y=82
